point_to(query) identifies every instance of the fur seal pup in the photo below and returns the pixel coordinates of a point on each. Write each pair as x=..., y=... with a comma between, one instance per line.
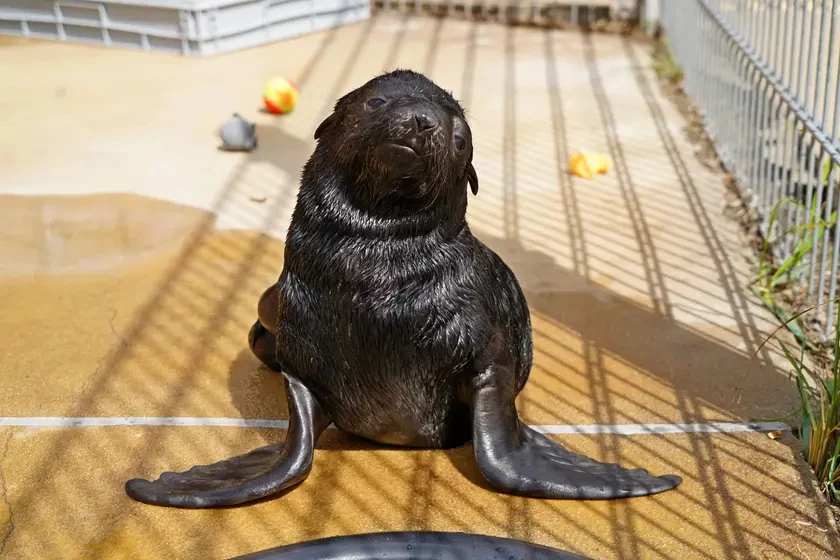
x=391, y=320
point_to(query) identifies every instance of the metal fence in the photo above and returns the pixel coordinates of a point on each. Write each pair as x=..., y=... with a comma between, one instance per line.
x=766, y=76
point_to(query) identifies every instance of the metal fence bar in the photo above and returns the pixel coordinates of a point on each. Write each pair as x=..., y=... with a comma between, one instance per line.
x=831, y=71
x=765, y=75
x=834, y=172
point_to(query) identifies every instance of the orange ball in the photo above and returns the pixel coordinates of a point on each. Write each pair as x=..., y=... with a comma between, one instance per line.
x=280, y=95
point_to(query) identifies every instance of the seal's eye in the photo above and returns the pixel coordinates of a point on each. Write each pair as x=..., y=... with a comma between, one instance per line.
x=460, y=143
x=375, y=102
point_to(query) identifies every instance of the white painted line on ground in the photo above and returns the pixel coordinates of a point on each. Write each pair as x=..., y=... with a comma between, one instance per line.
x=634, y=429
x=109, y=421
x=620, y=429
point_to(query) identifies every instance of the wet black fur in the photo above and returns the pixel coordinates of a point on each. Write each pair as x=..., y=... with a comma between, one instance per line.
x=386, y=299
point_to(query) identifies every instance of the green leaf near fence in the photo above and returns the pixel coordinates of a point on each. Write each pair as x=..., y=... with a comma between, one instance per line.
x=826, y=171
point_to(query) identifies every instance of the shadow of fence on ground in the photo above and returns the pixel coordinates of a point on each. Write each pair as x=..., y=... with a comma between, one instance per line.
x=625, y=329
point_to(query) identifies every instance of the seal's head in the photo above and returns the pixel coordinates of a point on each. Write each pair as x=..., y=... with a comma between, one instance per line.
x=401, y=134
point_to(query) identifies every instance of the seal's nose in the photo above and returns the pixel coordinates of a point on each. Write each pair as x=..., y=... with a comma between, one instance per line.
x=424, y=121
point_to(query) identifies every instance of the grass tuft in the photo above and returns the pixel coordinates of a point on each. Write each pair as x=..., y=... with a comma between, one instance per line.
x=664, y=65
x=774, y=277
x=818, y=394
x=819, y=413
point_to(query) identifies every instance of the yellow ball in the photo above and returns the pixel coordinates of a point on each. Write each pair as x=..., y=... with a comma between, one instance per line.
x=280, y=95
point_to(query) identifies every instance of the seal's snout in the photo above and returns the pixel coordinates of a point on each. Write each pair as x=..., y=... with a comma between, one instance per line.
x=413, y=136
x=418, y=120
x=424, y=121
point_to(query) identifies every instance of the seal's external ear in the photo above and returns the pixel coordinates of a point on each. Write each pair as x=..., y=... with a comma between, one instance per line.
x=472, y=178
x=325, y=124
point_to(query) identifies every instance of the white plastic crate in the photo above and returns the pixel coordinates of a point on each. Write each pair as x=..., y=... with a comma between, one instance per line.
x=191, y=27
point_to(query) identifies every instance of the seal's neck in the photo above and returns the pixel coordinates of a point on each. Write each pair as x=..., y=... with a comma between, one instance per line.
x=329, y=197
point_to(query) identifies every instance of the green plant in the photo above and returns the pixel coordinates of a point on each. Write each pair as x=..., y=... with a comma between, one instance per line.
x=818, y=394
x=819, y=412
x=826, y=170
x=664, y=64
x=772, y=277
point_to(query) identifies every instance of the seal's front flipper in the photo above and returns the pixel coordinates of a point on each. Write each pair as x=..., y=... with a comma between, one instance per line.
x=515, y=458
x=260, y=473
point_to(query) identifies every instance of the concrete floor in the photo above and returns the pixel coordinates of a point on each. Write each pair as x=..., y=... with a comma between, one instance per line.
x=133, y=253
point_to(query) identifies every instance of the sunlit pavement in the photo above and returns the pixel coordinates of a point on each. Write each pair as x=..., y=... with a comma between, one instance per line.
x=133, y=253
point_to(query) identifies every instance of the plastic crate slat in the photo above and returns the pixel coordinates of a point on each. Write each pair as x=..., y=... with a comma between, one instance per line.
x=193, y=27
x=109, y=27
x=290, y=17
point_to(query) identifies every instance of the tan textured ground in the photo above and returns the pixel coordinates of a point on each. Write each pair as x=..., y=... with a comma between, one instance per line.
x=127, y=287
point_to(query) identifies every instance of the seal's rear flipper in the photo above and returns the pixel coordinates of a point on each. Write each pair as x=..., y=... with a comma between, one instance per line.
x=260, y=473
x=515, y=458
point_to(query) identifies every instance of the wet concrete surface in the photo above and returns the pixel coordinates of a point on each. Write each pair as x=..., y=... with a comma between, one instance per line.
x=133, y=254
